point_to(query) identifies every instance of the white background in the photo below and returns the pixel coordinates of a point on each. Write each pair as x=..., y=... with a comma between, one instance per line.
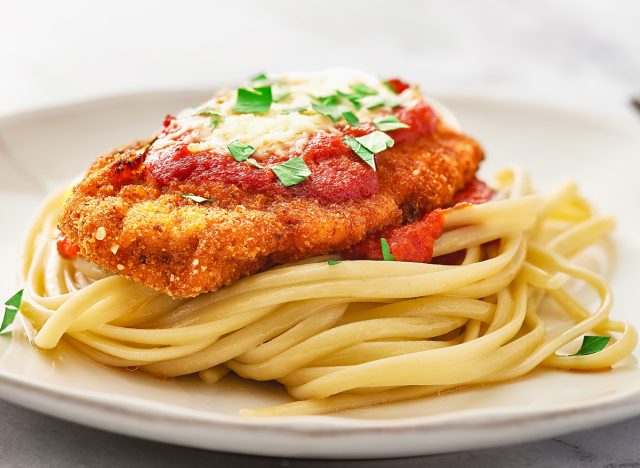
x=576, y=53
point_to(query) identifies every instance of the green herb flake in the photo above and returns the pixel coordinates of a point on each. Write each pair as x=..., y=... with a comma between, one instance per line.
x=351, y=118
x=259, y=77
x=239, y=151
x=253, y=101
x=293, y=110
x=214, y=117
x=364, y=154
x=292, y=172
x=333, y=111
x=389, y=122
x=592, y=344
x=354, y=99
x=196, y=198
x=386, y=250
x=333, y=262
x=390, y=87
x=11, y=308
x=363, y=89
x=254, y=163
x=376, y=141
x=281, y=95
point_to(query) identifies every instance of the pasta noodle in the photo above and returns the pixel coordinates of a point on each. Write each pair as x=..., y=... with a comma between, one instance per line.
x=356, y=333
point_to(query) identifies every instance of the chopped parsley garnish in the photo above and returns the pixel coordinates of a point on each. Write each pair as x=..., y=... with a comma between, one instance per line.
x=390, y=87
x=334, y=262
x=196, y=198
x=253, y=101
x=334, y=112
x=11, y=308
x=259, y=77
x=293, y=110
x=254, y=163
x=366, y=155
x=280, y=95
x=363, y=89
x=592, y=344
x=239, y=151
x=389, y=122
x=351, y=118
x=368, y=145
x=214, y=117
x=354, y=99
x=292, y=172
x=376, y=141
x=386, y=250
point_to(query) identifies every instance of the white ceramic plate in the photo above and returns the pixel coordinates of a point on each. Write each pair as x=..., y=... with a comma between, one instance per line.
x=41, y=149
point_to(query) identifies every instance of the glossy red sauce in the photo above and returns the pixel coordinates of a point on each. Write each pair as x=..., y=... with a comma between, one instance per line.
x=337, y=173
x=398, y=85
x=412, y=242
x=66, y=249
x=475, y=192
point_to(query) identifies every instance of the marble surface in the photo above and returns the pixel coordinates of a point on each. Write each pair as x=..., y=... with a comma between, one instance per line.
x=583, y=54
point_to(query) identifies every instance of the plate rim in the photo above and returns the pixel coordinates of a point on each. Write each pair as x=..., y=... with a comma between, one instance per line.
x=35, y=395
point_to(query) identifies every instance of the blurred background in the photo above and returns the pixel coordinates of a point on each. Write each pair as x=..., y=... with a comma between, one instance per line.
x=582, y=54
x=579, y=53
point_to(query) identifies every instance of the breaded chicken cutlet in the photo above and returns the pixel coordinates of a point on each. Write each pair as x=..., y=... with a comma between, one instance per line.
x=290, y=167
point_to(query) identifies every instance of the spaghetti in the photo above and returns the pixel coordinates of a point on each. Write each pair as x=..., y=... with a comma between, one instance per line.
x=347, y=334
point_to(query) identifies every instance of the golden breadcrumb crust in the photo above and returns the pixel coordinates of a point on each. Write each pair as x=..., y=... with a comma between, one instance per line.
x=163, y=240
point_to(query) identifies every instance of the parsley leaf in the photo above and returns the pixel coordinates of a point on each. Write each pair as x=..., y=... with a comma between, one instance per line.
x=11, y=308
x=390, y=87
x=363, y=89
x=259, y=77
x=293, y=110
x=334, y=262
x=253, y=101
x=333, y=111
x=386, y=250
x=214, y=117
x=368, y=145
x=196, y=198
x=351, y=118
x=292, y=172
x=254, y=163
x=376, y=141
x=592, y=344
x=280, y=95
x=366, y=155
x=389, y=122
x=239, y=151
x=354, y=99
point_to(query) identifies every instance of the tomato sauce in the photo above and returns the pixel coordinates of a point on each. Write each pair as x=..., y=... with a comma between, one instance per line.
x=413, y=242
x=66, y=248
x=337, y=173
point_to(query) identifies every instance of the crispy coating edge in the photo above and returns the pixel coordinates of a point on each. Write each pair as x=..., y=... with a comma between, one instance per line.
x=184, y=249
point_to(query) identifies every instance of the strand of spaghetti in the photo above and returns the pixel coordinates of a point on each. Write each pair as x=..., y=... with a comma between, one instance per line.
x=183, y=335
x=373, y=350
x=340, y=337
x=310, y=326
x=243, y=340
x=138, y=354
x=51, y=332
x=479, y=234
x=442, y=306
x=555, y=262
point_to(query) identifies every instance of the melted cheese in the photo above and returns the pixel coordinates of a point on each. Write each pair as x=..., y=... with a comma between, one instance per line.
x=284, y=127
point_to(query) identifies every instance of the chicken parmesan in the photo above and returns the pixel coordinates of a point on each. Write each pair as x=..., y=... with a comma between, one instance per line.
x=326, y=231
x=284, y=168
